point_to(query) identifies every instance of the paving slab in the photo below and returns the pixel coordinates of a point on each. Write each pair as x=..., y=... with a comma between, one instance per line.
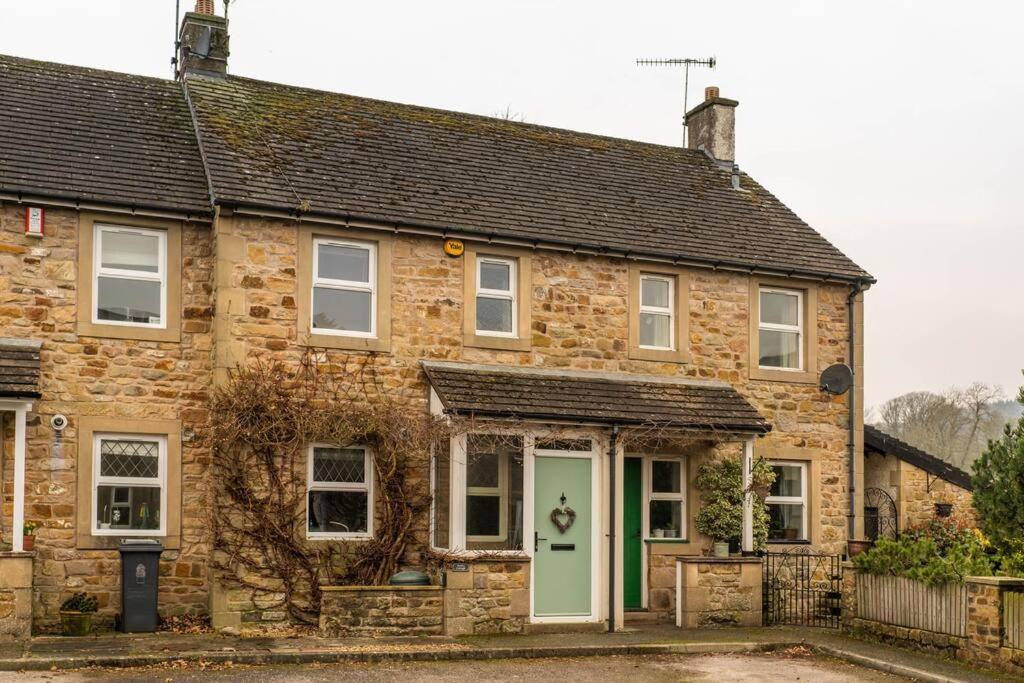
x=134, y=650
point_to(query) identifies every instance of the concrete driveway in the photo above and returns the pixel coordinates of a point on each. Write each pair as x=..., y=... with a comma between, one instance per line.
x=794, y=665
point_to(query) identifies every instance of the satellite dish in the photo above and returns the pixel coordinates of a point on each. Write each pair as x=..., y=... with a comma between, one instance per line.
x=837, y=379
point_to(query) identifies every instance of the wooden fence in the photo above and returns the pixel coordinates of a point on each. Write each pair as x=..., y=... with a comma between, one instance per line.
x=1013, y=619
x=903, y=602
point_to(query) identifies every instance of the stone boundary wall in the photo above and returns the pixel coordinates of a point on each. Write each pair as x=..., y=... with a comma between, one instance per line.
x=983, y=644
x=382, y=611
x=15, y=594
x=718, y=591
x=492, y=596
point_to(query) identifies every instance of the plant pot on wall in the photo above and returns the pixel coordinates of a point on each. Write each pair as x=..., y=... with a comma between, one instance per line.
x=721, y=549
x=943, y=509
x=854, y=548
x=28, y=543
x=76, y=623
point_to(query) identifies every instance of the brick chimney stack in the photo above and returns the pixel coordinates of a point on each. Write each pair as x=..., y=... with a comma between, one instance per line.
x=203, y=42
x=711, y=127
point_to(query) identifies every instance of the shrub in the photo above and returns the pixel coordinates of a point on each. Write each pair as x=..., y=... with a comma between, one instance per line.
x=80, y=602
x=721, y=485
x=940, y=551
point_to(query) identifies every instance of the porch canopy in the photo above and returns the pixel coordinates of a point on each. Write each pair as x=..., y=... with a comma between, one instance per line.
x=541, y=394
x=19, y=385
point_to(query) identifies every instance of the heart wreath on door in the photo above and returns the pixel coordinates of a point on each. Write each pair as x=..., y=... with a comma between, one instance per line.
x=563, y=518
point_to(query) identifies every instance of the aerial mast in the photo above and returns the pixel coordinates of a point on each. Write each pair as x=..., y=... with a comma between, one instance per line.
x=686, y=64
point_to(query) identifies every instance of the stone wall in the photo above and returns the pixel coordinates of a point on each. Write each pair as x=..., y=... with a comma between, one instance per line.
x=381, y=611
x=579, y=308
x=920, y=491
x=719, y=592
x=96, y=376
x=983, y=643
x=15, y=595
x=492, y=597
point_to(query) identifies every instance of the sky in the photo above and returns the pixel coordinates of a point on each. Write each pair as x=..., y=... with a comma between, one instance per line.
x=894, y=128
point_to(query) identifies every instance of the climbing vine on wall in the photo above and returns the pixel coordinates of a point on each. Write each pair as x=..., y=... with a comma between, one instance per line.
x=261, y=424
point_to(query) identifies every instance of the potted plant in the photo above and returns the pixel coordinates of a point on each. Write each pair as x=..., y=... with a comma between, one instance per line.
x=944, y=506
x=721, y=515
x=76, y=614
x=658, y=533
x=28, y=541
x=855, y=548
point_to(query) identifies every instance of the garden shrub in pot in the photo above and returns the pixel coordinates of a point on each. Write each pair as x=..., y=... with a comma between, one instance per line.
x=76, y=614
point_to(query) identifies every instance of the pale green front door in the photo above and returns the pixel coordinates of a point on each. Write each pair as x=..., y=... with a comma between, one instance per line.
x=562, y=559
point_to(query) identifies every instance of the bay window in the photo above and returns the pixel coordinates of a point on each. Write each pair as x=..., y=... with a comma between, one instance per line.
x=494, y=492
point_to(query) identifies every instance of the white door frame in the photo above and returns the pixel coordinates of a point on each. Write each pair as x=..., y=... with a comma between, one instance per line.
x=595, y=527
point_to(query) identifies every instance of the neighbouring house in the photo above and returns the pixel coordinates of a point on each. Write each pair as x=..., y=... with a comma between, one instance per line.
x=906, y=487
x=156, y=233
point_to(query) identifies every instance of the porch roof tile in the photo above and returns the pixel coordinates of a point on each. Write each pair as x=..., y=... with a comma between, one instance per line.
x=588, y=397
x=19, y=368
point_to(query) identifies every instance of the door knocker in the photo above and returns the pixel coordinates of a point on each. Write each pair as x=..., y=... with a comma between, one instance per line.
x=563, y=517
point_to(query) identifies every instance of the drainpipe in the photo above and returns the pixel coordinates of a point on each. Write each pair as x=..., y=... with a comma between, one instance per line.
x=613, y=447
x=855, y=291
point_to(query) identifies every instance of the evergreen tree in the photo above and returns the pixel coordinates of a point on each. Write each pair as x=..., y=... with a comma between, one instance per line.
x=999, y=487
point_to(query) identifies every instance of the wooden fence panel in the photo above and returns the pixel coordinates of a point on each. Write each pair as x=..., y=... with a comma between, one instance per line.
x=903, y=602
x=1013, y=619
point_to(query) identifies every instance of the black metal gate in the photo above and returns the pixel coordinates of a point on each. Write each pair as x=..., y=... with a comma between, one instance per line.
x=802, y=588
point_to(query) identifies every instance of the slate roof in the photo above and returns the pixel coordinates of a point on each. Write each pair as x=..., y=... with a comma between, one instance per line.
x=880, y=442
x=280, y=146
x=87, y=135
x=19, y=368
x=543, y=394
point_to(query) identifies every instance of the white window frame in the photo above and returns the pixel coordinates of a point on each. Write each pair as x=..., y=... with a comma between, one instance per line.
x=504, y=295
x=500, y=492
x=801, y=500
x=125, y=274
x=798, y=328
x=366, y=485
x=141, y=482
x=344, y=285
x=670, y=310
x=648, y=476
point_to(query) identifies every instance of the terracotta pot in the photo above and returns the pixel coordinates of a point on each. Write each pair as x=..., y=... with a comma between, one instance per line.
x=28, y=543
x=854, y=548
x=76, y=623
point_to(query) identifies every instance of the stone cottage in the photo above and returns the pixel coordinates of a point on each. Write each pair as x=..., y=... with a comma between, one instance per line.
x=906, y=487
x=157, y=233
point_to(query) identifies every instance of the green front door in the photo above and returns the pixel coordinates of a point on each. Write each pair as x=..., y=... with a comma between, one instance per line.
x=632, y=543
x=562, y=558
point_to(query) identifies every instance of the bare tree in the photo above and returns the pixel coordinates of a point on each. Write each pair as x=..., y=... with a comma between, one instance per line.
x=508, y=114
x=954, y=425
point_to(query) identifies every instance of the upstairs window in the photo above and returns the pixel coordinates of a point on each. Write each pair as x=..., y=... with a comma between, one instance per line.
x=496, y=297
x=344, y=300
x=780, y=329
x=787, y=503
x=340, y=501
x=657, y=312
x=130, y=277
x=129, y=485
